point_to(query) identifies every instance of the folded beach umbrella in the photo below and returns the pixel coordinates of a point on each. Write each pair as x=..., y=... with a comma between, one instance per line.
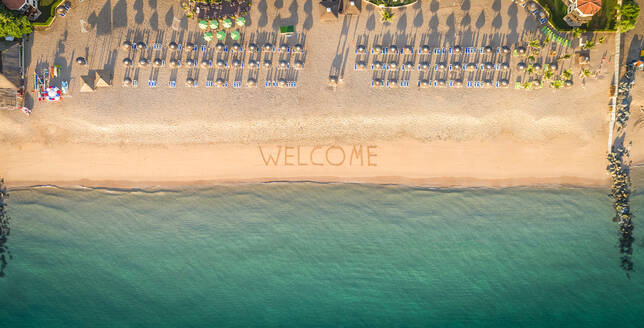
x=240, y=21
x=227, y=23
x=221, y=35
x=203, y=24
x=213, y=23
x=235, y=35
x=207, y=36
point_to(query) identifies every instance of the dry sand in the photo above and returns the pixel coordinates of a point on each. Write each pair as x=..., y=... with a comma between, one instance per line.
x=434, y=137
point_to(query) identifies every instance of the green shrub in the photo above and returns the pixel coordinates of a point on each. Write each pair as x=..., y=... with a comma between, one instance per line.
x=13, y=23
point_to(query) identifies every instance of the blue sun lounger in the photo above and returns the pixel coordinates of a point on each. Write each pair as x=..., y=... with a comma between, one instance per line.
x=268, y=84
x=135, y=83
x=451, y=83
x=157, y=46
x=497, y=84
x=450, y=67
x=435, y=67
x=449, y=50
x=237, y=84
x=133, y=46
x=437, y=51
x=172, y=84
x=469, y=84
x=209, y=84
x=195, y=48
x=203, y=47
x=179, y=47
x=152, y=83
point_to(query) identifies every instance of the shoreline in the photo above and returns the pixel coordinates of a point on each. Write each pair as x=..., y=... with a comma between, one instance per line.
x=497, y=163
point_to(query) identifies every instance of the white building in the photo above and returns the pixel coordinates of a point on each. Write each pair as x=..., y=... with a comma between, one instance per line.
x=581, y=11
x=27, y=7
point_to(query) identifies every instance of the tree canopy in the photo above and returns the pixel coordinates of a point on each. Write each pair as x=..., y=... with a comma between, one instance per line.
x=13, y=23
x=629, y=11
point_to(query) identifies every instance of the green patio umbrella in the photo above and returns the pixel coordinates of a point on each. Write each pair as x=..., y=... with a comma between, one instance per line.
x=221, y=35
x=235, y=35
x=213, y=23
x=227, y=23
x=240, y=21
x=207, y=36
x=203, y=24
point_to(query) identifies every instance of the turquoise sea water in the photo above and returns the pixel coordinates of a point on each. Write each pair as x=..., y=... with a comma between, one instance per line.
x=297, y=255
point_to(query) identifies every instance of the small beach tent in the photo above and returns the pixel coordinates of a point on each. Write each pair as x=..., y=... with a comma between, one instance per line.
x=213, y=23
x=235, y=35
x=203, y=24
x=86, y=83
x=102, y=80
x=207, y=36
x=221, y=35
x=240, y=21
x=288, y=30
x=227, y=23
x=328, y=11
x=351, y=7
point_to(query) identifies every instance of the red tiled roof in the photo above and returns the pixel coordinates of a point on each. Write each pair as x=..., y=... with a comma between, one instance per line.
x=13, y=4
x=589, y=7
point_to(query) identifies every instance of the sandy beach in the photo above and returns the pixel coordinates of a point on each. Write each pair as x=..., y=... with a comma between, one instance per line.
x=444, y=137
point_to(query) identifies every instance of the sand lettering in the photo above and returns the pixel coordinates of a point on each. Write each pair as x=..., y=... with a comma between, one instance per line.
x=357, y=154
x=371, y=154
x=331, y=162
x=333, y=155
x=313, y=151
x=270, y=156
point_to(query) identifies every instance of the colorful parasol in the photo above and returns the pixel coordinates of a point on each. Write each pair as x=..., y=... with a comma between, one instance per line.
x=227, y=23
x=240, y=21
x=213, y=24
x=221, y=35
x=53, y=94
x=207, y=36
x=203, y=24
x=235, y=35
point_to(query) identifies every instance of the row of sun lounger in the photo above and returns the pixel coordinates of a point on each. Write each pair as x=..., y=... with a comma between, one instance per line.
x=436, y=67
x=210, y=84
x=390, y=83
x=436, y=51
x=226, y=48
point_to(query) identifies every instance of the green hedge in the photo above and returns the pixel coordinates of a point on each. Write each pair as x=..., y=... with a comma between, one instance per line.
x=52, y=15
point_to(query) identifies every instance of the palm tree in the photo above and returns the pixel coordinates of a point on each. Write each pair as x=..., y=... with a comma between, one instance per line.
x=566, y=56
x=576, y=32
x=529, y=69
x=387, y=16
x=531, y=57
x=602, y=39
x=584, y=73
x=547, y=74
x=589, y=44
x=566, y=74
x=557, y=84
x=526, y=85
x=535, y=44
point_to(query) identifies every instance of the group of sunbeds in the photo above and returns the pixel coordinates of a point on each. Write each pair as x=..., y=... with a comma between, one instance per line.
x=254, y=54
